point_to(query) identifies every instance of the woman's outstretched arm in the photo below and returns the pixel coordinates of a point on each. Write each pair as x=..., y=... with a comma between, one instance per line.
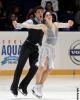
x=64, y=25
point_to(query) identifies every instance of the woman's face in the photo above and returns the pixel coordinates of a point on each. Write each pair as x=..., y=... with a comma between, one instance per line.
x=48, y=16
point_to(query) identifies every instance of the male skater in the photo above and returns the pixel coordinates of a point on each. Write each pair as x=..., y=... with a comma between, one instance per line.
x=29, y=50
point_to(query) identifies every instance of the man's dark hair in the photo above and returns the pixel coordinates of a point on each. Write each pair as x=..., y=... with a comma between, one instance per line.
x=38, y=7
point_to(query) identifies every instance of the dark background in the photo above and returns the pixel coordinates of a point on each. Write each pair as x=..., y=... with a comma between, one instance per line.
x=27, y=4
x=64, y=6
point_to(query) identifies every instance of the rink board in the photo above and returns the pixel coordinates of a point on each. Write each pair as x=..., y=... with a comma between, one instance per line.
x=67, y=53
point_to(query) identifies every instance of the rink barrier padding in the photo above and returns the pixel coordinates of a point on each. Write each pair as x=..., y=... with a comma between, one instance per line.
x=52, y=73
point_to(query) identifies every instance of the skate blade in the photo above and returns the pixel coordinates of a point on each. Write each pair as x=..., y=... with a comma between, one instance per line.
x=20, y=90
x=33, y=92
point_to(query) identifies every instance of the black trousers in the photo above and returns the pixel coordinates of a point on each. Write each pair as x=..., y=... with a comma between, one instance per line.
x=28, y=50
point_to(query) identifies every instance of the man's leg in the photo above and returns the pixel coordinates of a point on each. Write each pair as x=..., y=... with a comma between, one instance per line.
x=32, y=71
x=24, y=53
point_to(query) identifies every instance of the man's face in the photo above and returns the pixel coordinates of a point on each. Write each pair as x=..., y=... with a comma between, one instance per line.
x=39, y=14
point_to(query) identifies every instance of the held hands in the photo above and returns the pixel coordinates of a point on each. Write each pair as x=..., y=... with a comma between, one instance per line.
x=21, y=25
x=14, y=23
x=17, y=25
x=70, y=22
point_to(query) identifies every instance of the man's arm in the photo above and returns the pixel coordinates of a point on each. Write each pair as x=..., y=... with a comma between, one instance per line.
x=19, y=25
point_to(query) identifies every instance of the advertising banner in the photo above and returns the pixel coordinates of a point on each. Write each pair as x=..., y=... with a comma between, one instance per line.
x=67, y=51
x=10, y=44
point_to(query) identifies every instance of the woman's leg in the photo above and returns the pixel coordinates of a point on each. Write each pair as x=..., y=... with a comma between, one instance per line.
x=44, y=77
x=41, y=76
x=42, y=73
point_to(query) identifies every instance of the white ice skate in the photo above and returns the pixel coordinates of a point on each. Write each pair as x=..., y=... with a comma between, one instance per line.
x=37, y=91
